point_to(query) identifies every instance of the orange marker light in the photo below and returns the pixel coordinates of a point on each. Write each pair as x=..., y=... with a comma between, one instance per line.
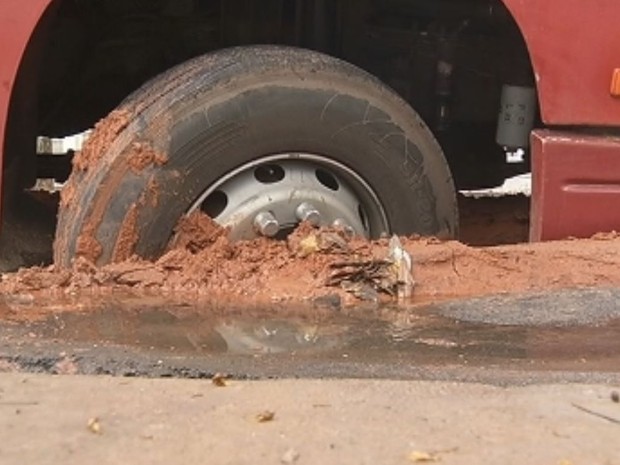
x=615, y=83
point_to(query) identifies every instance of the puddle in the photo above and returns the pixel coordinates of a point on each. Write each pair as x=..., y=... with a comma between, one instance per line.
x=424, y=336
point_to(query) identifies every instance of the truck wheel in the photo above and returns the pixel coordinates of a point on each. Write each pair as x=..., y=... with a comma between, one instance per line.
x=259, y=138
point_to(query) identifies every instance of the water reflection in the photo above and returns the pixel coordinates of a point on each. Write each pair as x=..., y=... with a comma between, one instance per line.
x=419, y=336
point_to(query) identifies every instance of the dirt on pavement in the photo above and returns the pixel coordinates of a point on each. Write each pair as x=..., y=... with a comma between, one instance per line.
x=204, y=264
x=492, y=256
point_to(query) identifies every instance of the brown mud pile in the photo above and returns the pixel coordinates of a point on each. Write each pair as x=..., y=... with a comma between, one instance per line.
x=204, y=265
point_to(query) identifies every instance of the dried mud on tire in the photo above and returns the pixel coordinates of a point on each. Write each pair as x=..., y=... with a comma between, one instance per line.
x=147, y=163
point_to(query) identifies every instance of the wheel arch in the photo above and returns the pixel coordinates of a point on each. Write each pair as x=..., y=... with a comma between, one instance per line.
x=23, y=34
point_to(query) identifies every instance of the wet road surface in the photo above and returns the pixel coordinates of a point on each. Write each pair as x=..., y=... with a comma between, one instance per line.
x=569, y=335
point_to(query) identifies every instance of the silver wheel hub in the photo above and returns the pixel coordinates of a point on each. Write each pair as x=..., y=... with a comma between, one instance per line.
x=271, y=196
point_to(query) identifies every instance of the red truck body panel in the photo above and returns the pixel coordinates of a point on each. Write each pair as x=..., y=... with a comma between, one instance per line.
x=575, y=185
x=575, y=49
x=18, y=20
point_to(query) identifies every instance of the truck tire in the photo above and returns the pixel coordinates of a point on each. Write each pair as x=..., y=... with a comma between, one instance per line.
x=248, y=135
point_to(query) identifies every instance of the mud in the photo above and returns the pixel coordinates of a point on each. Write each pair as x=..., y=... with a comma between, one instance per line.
x=138, y=157
x=87, y=246
x=142, y=155
x=152, y=192
x=197, y=232
x=204, y=266
x=103, y=135
x=128, y=236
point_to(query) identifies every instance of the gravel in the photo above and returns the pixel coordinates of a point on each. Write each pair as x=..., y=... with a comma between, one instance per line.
x=559, y=308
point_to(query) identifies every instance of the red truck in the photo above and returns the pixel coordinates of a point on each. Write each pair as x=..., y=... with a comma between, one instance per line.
x=368, y=114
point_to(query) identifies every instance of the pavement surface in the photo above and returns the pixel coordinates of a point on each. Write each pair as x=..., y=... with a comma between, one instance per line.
x=531, y=378
x=102, y=420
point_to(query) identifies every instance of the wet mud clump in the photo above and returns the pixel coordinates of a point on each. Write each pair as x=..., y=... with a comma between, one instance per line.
x=142, y=155
x=127, y=237
x=203, y=261
x=104, y=134
x=197, y=232
x=203, y=264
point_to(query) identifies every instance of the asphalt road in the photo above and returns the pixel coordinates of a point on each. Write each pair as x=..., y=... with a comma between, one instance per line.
x=566, y=336
x=512, y=380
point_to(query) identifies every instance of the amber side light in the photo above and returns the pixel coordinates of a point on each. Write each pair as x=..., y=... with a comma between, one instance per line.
x=615, y=83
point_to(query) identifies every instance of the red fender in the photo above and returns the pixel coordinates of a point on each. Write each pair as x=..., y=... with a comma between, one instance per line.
x=574, y=46
x=18, y=20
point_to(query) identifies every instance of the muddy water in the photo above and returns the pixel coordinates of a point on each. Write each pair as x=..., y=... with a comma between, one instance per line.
x=444, y=334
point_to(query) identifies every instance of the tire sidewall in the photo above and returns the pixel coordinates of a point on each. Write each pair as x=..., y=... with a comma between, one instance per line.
x=217, y=120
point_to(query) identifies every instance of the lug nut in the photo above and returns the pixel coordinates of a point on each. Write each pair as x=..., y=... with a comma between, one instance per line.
x=342, y=224
x=307, y=212
x=266, y=224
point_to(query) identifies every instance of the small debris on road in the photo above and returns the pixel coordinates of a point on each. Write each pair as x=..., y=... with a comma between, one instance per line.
x=219, y=380
x=423, y=457
x=94, y=426
x=327, y=241
x=308, y=246
x=8, y=367
x=65, y=366
x=350, y=275
x=266, y=416
x=365, y=278
x=290, y=456
x=615, y=397
x=402, y=268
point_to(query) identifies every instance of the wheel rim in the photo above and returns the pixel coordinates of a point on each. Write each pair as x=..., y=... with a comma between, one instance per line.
x=272, y=195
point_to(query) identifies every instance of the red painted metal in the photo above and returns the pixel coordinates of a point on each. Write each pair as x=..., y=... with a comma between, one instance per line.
x=18, y=19
x=615, y=83
x=575, y=185
x=575, y=48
